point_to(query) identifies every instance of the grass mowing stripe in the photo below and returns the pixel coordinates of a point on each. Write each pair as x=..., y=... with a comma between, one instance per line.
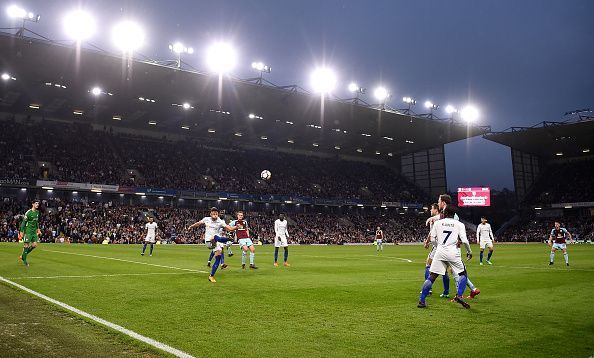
x=105, y=275
x=123, y=260
x=162, y=346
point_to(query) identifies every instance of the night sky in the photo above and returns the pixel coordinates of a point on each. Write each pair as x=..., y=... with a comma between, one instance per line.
x=519, y=62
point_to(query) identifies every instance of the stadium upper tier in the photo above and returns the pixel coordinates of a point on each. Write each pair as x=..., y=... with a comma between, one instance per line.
x=57, y=81
x=77, y=153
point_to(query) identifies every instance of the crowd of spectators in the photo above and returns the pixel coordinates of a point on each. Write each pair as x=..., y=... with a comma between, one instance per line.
x=77, y=153
x=93, y=222
x=538, y=229
x=567, y=182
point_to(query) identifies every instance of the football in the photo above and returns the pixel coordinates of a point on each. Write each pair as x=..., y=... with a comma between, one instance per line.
x=266, y=175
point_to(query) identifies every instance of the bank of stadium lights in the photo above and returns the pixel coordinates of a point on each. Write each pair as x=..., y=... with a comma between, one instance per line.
x=58, y=85
x=7, y=76
x=146, y=99
x=261, y=67
x=469, y=114
x=586, y=150
x=211, y=130
x=431, y=106
x=116, y=118
x=221, y=58
x=128, y=36
x=291, y=141
x=410, y=101
x=449, y=109
x=323, y=80
x=381, y=93
x=178, y=48
x=152, y=123
x=17, y=12
x=184, y=105
x=254, y=116
x=264, y=137
x=79, y=25
x=359, y=150
x=97, y=91
x=185, y=127
x=356, y=89
x=316, y=145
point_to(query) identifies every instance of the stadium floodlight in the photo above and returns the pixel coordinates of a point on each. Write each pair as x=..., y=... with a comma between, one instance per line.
x=16, y=12
x=323, y=80
x=96, y=91
x=469, y=114
x=128, y=36
x=354, y=88
x=186, y=105
x=381, y=94
x=79, y=25
x=410, y=101
x=262, y=67
x=221, y=58
x=430, y=105
x=179, y=48
x=450, y=109
x=5, y=76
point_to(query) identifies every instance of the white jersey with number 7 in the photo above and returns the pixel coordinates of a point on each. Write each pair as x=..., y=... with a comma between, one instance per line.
x=446, y=233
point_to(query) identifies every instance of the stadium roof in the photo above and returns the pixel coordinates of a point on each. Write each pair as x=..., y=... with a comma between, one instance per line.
x=57, y=80
x=548, y=139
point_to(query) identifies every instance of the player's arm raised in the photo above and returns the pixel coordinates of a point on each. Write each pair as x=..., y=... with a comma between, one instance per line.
x=570, y=237
x=196, y=224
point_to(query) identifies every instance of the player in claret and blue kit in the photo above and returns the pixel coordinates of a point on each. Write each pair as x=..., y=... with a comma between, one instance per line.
x=557, y=241
x=242, y=233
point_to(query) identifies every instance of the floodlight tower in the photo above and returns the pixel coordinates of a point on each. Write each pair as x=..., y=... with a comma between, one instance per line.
x=178, y=48
x=357, y=91
x=410, y=102
x=382, y=94
x=18, y=13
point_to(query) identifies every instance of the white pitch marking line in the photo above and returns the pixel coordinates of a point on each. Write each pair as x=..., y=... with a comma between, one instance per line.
x=159, y=345
x=123, y=260
x=101, y=275
x=356, y=257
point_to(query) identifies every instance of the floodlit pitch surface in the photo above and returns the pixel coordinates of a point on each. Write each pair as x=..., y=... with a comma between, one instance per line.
x=332, y=301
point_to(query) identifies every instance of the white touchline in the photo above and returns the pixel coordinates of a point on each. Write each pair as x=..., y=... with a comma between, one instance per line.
x=356, y=257
x=129, y=333
x=101, y=275
x=123, y=260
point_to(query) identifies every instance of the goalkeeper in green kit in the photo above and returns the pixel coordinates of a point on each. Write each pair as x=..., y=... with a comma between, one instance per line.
x=29, y=231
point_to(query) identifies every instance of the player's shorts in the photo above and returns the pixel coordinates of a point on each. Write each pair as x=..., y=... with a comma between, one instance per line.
x=559, y=246
x=431, y=253
x=379, y=241
x=486, y=243
x=281, y=242
x=245, y=242
x=149, y=239
x=441, y=262
x=30, y=238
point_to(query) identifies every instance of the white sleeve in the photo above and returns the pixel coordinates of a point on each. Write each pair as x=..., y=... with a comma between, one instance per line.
x=276, y=228
x=478, y=232
x=433, y=232
x=287, y=229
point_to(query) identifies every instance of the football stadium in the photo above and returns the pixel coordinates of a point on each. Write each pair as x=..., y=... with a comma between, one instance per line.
x=166, y=200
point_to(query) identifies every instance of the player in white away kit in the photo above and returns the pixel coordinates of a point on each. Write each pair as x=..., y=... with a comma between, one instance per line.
x=281, y=236
x=151, y=235
x=485, y=237
x=447, y=232
x=446, y=278
x=214, y=235
x=559, y=235
x=379, y=240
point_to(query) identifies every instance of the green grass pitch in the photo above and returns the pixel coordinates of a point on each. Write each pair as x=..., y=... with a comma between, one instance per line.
x=332, y=302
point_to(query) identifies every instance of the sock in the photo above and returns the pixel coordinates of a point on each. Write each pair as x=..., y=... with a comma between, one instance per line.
x=229, y=252
x=426, y=272
x=151, y=252
x=469, y=283
x=210, y=256
x=552, y=256
x=489, y=255
x=25, y=252
x=456, y=279
x=275, y=254
x=31, y=248
x=252, y=258
x=215, y=266
x=446, y=284
x=481, y=256
x=143, y=248
x=425, y=291
x=462, y=285
x=566, y=256
x=286, y=254
x=243, y=254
